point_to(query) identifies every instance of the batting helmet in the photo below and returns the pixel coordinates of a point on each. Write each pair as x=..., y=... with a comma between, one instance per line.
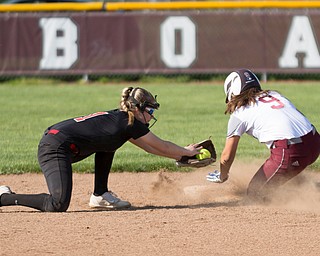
x=239, y=81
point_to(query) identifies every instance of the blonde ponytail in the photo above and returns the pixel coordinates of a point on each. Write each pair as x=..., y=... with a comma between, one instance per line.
x=126, y=105
x=132, y=98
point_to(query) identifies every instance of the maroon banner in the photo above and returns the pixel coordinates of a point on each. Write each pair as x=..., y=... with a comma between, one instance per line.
x=159, y=42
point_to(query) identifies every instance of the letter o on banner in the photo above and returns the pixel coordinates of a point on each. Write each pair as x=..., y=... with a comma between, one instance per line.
x=168, y=44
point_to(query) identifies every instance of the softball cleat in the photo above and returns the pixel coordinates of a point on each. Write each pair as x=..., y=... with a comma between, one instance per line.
x=108, y=200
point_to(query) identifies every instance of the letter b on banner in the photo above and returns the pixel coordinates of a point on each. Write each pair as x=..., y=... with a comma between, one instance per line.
x=59, y=45
x=186, y=31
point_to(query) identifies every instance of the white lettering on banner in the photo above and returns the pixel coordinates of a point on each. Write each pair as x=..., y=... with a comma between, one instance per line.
x=59, y=44
x=301, y=47
x=168, y=44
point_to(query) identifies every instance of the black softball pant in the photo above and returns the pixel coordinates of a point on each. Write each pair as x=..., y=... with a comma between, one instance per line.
x=55, y=158
x=55, y=161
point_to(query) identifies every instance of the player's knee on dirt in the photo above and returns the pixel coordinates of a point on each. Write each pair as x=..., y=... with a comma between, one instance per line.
x=257, y=190
x=261, y=196
x=52, y=206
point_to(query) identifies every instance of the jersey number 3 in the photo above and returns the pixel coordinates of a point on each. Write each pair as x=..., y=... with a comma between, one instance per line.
x=269, y=99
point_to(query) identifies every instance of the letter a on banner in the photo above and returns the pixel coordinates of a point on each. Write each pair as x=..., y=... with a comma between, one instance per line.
x=59, y=45
x=301, y=41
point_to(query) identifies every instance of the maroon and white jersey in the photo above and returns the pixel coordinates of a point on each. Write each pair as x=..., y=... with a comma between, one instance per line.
x=271, y=118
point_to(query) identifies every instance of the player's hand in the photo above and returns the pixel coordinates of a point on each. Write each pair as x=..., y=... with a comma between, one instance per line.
x=193, y=149
x=215, y=177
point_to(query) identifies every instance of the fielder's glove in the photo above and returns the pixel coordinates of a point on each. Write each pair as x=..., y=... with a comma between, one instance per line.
x=192, y=161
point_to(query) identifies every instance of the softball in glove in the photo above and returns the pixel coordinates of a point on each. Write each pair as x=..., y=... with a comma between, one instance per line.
x=193, y=161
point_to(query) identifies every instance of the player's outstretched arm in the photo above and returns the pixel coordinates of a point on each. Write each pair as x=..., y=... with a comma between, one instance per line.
x=227, y=156
x=154, y=145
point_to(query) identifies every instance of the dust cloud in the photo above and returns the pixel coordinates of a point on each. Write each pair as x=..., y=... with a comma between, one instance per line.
x=191, y=188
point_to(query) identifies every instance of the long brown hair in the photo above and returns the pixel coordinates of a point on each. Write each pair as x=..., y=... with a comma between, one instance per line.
x=245, y=98
x=132, y=98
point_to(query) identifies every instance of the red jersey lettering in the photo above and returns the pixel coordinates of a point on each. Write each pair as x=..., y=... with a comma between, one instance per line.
x=83, y=118
x=269, y=99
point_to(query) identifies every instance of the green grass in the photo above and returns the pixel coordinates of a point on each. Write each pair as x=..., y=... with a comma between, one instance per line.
x=189, y=112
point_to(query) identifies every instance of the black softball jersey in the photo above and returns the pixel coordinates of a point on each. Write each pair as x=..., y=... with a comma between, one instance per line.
x=98, y=132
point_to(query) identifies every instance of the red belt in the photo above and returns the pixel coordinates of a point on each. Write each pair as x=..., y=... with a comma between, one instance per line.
x=53, y=131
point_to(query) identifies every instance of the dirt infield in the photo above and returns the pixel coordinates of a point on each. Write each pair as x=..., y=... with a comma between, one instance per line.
x=172, y=214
